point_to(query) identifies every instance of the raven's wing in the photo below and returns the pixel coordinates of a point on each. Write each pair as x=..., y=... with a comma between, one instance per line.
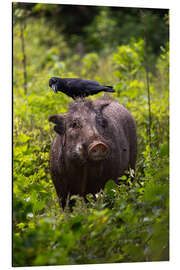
x=89, y=84
x=74, y=83
x=93, y=87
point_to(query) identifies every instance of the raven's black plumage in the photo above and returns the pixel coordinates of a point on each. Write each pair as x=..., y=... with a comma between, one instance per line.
x=77, y=87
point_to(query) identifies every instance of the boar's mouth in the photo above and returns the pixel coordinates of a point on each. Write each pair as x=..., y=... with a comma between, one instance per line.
x=98, y=151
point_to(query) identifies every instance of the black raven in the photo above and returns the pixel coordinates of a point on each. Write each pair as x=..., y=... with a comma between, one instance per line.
x=77, y=88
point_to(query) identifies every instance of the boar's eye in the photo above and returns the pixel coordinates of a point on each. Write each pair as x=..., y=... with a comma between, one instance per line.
x=75, y=124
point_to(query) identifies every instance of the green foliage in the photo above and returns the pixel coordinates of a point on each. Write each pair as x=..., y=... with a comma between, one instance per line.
x=125, y=223
x=96, y=27
x=101, y=31
x=129, y=61
x=116, y=26
x=90, y=64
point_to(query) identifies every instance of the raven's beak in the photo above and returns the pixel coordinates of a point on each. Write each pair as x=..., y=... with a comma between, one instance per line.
x=54, y=88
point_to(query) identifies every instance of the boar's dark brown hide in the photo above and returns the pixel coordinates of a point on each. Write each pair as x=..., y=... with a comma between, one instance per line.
x=96, y=141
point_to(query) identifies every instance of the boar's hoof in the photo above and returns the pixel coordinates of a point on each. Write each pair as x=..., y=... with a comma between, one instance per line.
x=98, y=151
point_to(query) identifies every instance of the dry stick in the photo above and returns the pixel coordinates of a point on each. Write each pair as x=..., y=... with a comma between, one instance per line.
x=22, y=26
x=147, y=77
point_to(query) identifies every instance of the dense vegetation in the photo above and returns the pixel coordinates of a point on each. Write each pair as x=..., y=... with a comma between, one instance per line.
x=126, y=223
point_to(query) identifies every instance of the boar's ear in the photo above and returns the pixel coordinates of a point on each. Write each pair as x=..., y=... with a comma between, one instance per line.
x=59, y=120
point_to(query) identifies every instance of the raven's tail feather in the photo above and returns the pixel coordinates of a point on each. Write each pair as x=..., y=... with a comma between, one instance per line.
x=109, y=89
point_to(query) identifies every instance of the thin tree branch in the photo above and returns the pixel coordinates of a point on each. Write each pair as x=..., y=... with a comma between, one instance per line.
x=22, y=26
x=147, y=76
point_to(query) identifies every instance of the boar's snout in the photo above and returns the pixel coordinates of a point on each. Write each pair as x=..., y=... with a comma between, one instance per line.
x=98, y=151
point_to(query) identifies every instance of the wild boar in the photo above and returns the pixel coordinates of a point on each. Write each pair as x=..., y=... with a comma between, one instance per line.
x=96, y=141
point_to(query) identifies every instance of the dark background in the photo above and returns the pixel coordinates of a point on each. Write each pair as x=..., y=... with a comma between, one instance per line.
x=93, y=28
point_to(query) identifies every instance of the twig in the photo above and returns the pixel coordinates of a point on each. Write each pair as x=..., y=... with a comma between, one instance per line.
x=147, y=76
x=22, y=26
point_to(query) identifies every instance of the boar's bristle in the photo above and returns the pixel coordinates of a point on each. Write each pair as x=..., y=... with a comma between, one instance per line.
x=80, y=104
